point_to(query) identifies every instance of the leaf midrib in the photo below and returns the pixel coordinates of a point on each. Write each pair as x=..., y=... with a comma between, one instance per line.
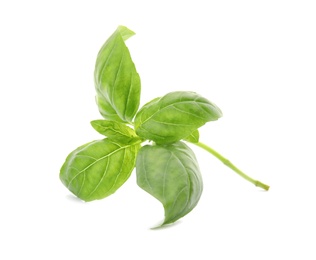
x=101, y=158
x=160, y=109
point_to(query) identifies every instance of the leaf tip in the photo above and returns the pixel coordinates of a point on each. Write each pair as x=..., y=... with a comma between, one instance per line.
x=125, y=32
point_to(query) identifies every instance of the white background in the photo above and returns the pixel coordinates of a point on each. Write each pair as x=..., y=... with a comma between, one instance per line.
x=255, y=59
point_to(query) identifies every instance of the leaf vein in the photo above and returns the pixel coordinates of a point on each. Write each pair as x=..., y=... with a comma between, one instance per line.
x=120, y=172
x=189, y=188
x=106, y=62
x=169, y=123
x=115, y=79
x=164, y=178
x=145, y=175
x=104, y=173
x=167, y=106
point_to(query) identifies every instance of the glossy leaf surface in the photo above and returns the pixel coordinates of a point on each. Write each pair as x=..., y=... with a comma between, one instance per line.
x=97, y=169
x=171, y=174
x=174, y=116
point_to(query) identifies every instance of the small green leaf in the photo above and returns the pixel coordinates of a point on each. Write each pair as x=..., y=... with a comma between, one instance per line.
x=113, y=130
x=193, y=137
x=174, y=116
x=97, y=169
x=171, y=174
x=117, y=82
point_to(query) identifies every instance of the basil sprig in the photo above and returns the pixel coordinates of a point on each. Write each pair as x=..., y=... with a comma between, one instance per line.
x=166, y=167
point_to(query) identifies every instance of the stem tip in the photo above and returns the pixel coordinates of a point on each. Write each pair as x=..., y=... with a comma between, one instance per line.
x=262, y=185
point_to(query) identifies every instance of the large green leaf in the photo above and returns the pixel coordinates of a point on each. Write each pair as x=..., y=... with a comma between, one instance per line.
x=116, y=80
x=97, y=169
x=174, y=116
x=171, y=174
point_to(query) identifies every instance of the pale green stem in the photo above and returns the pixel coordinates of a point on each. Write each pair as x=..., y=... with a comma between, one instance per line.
x=233, y=167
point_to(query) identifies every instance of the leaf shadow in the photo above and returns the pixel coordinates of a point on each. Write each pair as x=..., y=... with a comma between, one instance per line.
x=74, y=198
x=160, y=227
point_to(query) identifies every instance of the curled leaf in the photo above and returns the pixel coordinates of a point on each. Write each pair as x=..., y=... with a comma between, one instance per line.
x=171, y=174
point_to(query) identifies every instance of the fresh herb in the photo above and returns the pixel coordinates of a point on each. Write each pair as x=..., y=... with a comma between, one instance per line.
x=165, y=167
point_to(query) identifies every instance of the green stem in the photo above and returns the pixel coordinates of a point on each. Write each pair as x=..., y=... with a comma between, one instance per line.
x=233, y=167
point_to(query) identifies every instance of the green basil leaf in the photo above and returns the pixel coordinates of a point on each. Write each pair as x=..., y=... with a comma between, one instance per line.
x=113, y=130
x=97, y=169
x=171, y=174
x=174, y=116
x=193, y=137
x=117, y=82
